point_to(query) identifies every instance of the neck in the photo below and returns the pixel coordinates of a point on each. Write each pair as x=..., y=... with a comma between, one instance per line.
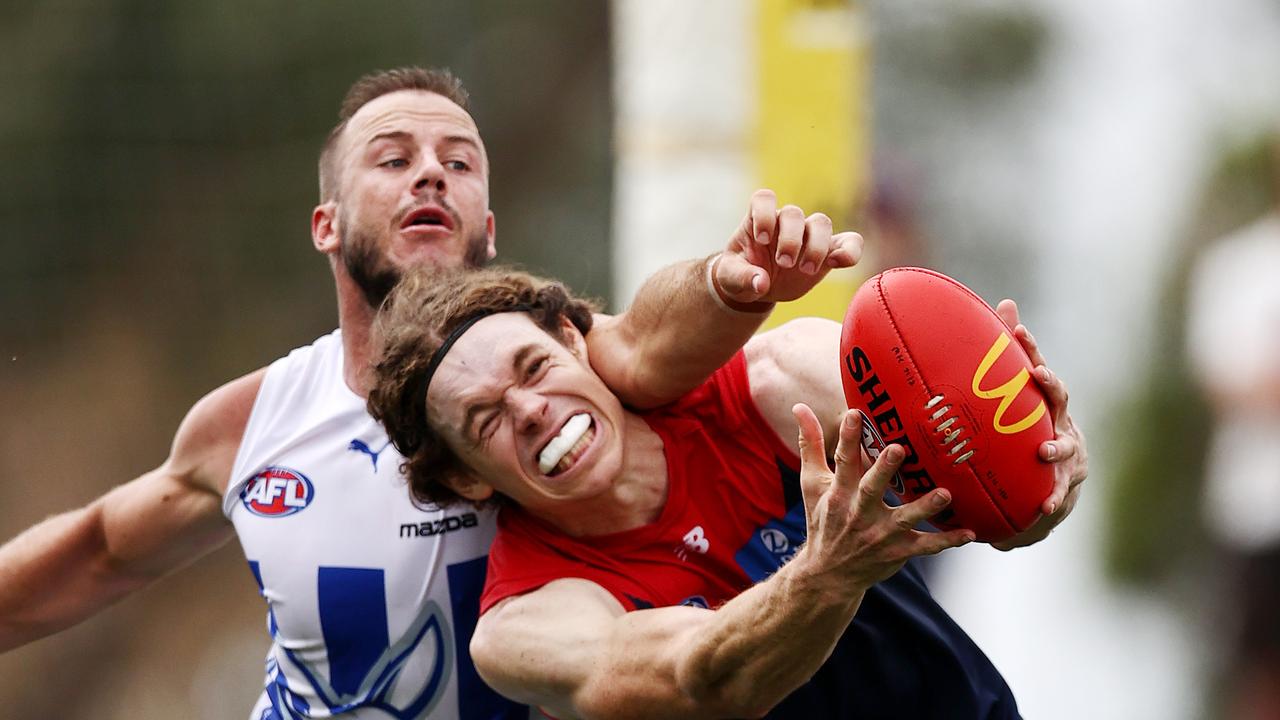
x=636, y=497
x=355, y=317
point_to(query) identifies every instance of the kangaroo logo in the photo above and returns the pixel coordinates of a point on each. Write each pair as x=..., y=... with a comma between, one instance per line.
x=405, y=679
x=359, y=445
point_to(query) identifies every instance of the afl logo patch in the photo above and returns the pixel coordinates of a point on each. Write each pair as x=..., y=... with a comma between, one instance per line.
x=277, y=492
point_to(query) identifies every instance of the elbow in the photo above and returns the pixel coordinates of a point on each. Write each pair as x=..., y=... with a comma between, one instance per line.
x=693, y=674
x=483, y=651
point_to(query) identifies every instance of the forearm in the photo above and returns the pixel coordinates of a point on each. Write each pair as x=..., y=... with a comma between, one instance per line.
x=56, y=574
x=572, y=649
x=739, y=660
x=762, y=645
x=70, y=566
x=675, y=334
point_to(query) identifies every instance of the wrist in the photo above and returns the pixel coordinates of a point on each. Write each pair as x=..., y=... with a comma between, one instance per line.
x=824, y=588
x=723, y=300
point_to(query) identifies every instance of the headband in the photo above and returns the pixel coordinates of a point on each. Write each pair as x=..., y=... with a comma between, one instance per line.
x=465, y=325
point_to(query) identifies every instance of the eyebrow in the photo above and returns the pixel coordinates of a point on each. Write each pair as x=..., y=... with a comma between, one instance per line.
x=518, y=359
x=402, y=135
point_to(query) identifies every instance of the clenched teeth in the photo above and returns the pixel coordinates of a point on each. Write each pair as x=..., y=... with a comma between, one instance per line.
x=559, y=445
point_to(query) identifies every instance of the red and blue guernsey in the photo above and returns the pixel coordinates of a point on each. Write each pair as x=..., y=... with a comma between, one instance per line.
x=734, y=515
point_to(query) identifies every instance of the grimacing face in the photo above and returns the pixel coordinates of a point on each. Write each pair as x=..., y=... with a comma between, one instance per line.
x=413, y=191
x=526, y=414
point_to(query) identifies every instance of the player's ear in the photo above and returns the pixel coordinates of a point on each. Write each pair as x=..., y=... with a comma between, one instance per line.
x=490, y=231
x=467, y=485
x=573, y=339
x=324, y=227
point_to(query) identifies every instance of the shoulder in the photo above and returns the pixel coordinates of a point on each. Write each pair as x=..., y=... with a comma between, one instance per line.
x=796, y=362
x=205, y=446
x=778, y=354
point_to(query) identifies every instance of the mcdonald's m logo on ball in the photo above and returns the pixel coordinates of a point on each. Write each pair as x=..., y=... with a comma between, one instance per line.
x=1006, y=393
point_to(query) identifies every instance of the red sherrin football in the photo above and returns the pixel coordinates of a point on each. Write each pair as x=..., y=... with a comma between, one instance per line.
x=935, y=370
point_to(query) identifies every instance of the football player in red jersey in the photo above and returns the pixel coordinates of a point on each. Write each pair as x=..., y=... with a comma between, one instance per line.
x=693, y=559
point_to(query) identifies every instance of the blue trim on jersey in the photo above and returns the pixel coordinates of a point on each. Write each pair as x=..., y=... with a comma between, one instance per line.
x=277, y=691
x=430, y=618
x=428, y=696
x=476, y=700
x=353, y=621
x=262, y=590
x=772, y=544
x=639, y=603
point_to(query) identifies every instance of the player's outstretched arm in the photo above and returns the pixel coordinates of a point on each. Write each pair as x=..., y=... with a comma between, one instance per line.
x=570, y=648
x=72, y=565
x=688, y=319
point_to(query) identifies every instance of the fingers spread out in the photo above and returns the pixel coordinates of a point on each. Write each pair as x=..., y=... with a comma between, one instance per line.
x=935, y=542
x=813, y=449
x=911, y=514
x=848, y=455
x=875, y=481
x=815, y=475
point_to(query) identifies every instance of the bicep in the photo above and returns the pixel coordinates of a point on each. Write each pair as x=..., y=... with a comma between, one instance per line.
x=158, y=523
x=173, y=514
x=797, y=362
x=571, y=648
x=537, y=647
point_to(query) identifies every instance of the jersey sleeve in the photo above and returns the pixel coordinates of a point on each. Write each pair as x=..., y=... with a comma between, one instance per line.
x=725, y=401
x=526, y=556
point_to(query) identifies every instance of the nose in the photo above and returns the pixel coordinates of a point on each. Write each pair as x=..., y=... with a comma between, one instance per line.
x=528, y=408
x=430, y=175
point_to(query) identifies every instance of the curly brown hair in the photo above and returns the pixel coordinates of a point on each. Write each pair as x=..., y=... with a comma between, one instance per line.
x=425, y=307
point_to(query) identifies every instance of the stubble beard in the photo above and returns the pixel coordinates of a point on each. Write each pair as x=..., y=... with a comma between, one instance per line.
x=376, y=276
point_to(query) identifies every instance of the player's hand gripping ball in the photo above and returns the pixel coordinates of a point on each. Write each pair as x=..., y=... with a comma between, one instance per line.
x=933, y=369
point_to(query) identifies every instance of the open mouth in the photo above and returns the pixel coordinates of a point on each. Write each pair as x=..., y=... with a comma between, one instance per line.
x=428, y=217
x=565, y=449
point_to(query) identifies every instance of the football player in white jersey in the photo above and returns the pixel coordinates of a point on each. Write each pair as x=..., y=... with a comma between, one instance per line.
x=372, y=599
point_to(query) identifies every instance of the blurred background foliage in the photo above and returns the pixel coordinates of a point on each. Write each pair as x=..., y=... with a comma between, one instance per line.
x=169, y=148
x=1154, y=527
